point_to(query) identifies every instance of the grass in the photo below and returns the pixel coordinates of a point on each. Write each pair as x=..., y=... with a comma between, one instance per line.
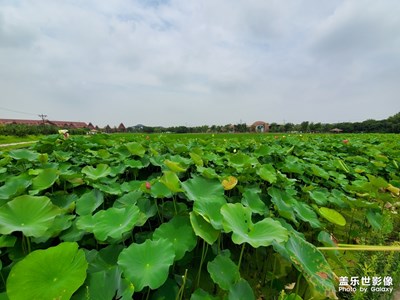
x=7, y=139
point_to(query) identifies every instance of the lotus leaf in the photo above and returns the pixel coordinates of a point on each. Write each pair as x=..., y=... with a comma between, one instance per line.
x=24, y=154
x=196, y=159
x=268, y=173
x=88, y=202
x=251, y=198
x=134, y=164
x=199, y=187
x=7, y=241
x=210, y=209
x=375, y=219
x=171, y=181
x=237, y=219
x=174, y=166
x=332, y=216
x=112, y=222
x=147, y=264
x=229, y=183
x=54, y=273
x=313, y=265
x=203, y=229
x=14, y=186
x=102, y=170
x=241, y=290
x=30, y=214
x=159, y=190
x=136, y=149
x=305, y=213
x=44, y=180
x=283, y=202
x=200, y=294
x=180, y=233
x=223, y=271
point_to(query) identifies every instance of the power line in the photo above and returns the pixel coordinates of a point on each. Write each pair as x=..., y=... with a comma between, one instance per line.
x=17, y=111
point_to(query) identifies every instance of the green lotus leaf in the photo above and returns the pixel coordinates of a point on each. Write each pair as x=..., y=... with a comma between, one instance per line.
x=14, y=186
x=251, y=198
x=168, y=291
x=159, y=190
x=207, y=172
x=128, y=199
x=104, y=276
x=24, y=154
x=136, y=149
x=240, y=160
x=326, y=239
x=196, y=159
x=210, y=209
x=60, y=223
x=203, y=229
x=332, y=216
x=200, y=294
x=199, y=188
x=7, y=241
x=88, y=202
x=54, y=273
x=313, y=265
x=112, y=222
x=223, y=271
x=237, y=219
x=171, y=181
x=293, y=165
x=147, y=264
x=44, y=180
x=134, y=164
x=375, y=219
x=318, y=171
x=305, y=213
x=29, y=214
x=102, y=170
x=180, y=233
x=320, y=196
x=174, y=166
x=241, y=290
x=268, y=173
x=284, y=203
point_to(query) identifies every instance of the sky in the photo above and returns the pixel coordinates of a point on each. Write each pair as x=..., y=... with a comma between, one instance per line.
x=192, y=63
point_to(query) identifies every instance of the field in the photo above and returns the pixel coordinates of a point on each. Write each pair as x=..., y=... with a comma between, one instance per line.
x=201, y=217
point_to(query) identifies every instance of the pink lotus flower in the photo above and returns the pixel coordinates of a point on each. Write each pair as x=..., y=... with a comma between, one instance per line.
x=148, y=185
x=345, y=141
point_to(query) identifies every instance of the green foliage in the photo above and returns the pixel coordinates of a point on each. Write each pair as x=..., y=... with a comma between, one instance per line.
x=197, y=216
x=54, y=273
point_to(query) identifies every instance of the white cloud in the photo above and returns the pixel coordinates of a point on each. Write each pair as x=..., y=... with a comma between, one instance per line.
x=207, y=62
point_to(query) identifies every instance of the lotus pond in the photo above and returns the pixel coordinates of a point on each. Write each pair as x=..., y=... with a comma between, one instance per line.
x=198, y=216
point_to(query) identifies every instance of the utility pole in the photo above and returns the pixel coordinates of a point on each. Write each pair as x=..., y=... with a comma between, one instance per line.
x=42, y=116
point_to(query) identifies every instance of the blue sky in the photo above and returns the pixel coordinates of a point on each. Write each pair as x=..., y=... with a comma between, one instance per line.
x=191, y=63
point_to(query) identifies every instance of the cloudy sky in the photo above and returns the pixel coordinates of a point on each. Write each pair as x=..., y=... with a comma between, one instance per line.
x=183, y=62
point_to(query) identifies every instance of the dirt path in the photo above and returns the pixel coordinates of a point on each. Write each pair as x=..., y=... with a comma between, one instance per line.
x=19, y=143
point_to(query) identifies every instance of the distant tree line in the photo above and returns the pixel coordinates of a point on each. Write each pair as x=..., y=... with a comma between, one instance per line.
x=389, y=125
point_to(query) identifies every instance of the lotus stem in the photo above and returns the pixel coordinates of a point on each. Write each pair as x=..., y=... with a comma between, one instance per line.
x=298, y=284
x=182, y=289
x=346, y=247
x=241, y=256
x=203, y=256
x=148, y=293
x=174, y=200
